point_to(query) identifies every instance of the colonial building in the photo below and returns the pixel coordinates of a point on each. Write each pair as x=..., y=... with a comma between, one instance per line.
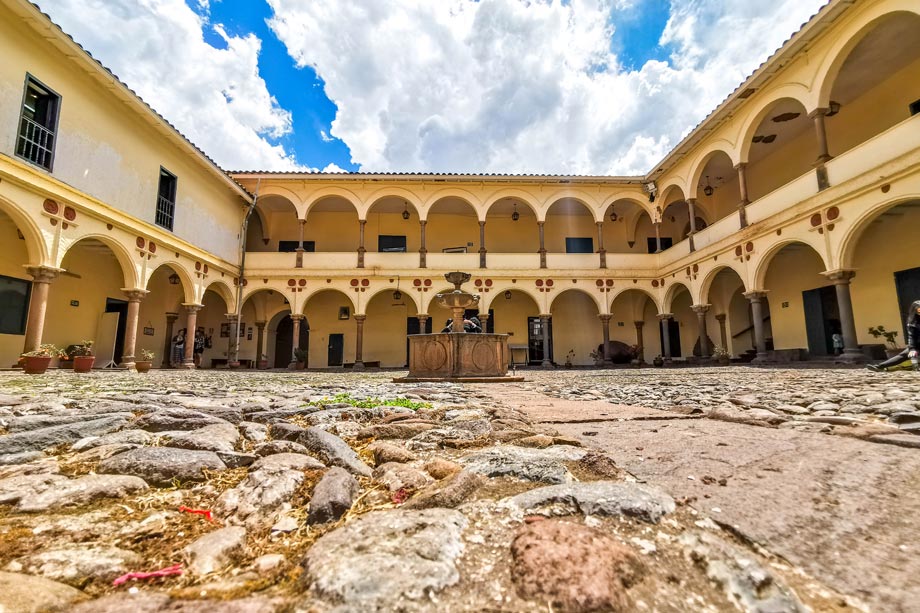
x=784, y=218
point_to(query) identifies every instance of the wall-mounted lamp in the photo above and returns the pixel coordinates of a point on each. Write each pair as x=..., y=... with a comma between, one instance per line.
x=405, y=213
x=507, y=294
x=708, y=189
x=613, y=214
x=174, y=279
x=515, y=215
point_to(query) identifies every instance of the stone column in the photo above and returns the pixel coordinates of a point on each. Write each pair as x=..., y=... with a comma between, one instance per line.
x=422, y=322
x=191, y=323
x=657, y=225
x=542, y=245
x=299, y=258
x=640, y=341
x=134, y=307
x=166, y=362
x=260, y=338
x=361, y=249
x=760, y=341
x=544, y=322
x=359, y=342
x=422, y=251
x=723, y=335
x=701, y=310
x=841, y=279
x=600, y=244
x=605, y=330
x=234, y=320
x=484, y=320
x=824, y=156
x=743, y=187
x=664, y=318
x=296, y=318
x=42, y=276
x=482, y=244
x=691, y=208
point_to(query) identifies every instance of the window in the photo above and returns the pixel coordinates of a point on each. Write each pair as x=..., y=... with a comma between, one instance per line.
x=391, y=244
x=579, y=245
x=291, y=246
x=14, y=305
x=37, y=124
x=166, y=199
x=915, y=108
x=666, y=243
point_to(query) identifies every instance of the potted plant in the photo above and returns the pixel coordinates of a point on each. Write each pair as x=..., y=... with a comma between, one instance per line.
x=880, y=332
x=569, y=357
x=300, y=357
x=83, y=357
x=146, y=361
x=721, y=355
x=37, y=362
x=658, y=361
x=263, y=362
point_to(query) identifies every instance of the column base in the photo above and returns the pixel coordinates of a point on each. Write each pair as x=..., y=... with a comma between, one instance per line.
x=546, y=365
x=189, y=366
x=851, y=356
x=358, y=366
x=762, y=358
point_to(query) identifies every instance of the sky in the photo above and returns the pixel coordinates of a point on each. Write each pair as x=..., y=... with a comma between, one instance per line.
x=590, y=87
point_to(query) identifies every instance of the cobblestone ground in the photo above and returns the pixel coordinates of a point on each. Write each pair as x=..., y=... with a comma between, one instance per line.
x=251, y=492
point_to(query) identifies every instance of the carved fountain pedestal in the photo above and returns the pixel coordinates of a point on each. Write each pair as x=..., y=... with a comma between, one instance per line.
x=458, y=356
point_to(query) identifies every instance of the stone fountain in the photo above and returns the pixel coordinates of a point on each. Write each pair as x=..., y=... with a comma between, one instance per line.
x=457, y=355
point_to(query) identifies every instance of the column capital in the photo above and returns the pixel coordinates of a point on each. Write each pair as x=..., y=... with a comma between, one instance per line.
x=360, y=318
x=639, y=324
x=756, y=295
x=232, y=316
x=422, y=315
x=171, y=317
x=546, y=316
x=692, y=201
x=43, y=274
x=604, y=317
x=422, y=222
x=298, y=316
x=720, y=317
x=663, y=316
x=740, y=166
x=700, y=308
x=134, y=295
x=261, y=324
x=192, y=307
x=819, y=112
x=841, y=275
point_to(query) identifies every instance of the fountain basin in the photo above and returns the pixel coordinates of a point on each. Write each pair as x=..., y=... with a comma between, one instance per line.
x=460, y=357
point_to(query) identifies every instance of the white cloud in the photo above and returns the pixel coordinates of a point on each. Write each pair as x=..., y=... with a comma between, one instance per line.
x=522, y=85
x=214, y=96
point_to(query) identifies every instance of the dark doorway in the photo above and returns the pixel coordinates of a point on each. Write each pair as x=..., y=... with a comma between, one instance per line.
x=674, y=338
x=113, y=305
x=666, y=243
x=336, y=355
x=535, y=340
x=413, y=327
x=822, y=319
x=907, y=283
x=284, y=346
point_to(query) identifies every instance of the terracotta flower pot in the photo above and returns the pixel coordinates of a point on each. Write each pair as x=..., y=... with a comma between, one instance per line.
x=263, y=365
x=36, y=365
x=143, y=366
x=83, y=363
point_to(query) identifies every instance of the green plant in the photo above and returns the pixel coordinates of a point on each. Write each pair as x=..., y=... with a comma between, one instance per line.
x=85, y=348
x=890, y=336
x=44, y=351
x=147, y=355
x=721, y=353
x=370, y=403
x=300, y=354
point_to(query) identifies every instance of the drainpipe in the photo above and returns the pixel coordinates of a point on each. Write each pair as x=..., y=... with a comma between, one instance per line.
x=239, y=284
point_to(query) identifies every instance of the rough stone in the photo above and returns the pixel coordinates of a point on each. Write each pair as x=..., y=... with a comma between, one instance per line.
x=26, y=423
x=285, y=431
x=332, y=496
x=22, y=457
x=439, y=468
x=216, y=437
x=543, y=465
x=36, y=440
x=214, y=550
x=386, y=559
x=152, y=602
x=396, y=476
x=268, y=563
x=388, y=452
x=72, y=492
x=134, y=437
x=448, y=493
x=28, y=594
x=540, y=441
x=332, y=451
x=296, y=461
x=235, y=459
x=573, y=567
x=399, y=430
x=173, y=418
x=161, y=465
x=76, y=564
x=273, y=447
x=596, y=498
x=260, y=497
x=254, y=432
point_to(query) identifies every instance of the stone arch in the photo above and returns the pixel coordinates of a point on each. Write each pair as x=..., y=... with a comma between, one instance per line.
x=845, y=253
x=672, y=293
x=710, y=277
x=331, y=192
x=665, y=192
x=122, y=255
x=792, y=92
x=392, y=192
x=617, y=292
x=763, y=263
x=455, y=192
x=720, y=146
x=406, y=295
x=185, y=279
x=283, y=193
x=317, y=291
x=594, y=296
x=830, y=68
x=643, y=204
x=499, y=293
x=517, y=195
x=222, y=289
x=590, y=207
x=35, y=244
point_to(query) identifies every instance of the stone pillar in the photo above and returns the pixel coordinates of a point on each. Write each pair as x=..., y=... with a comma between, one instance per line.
x=544, y=322
x=640, y=341
x=191, y=323
x=600, y=244
x=359, y=342
x=824, y=156
x=605, y=330
x=484, y=320
x=361, y=249
x=760, y=340
x=723, y=335
x=422, y=251
x=482, y=244
x=299, y=251
x=542, y=245
x=841, y=279
x=743, y=187
x=701, y=310
x=260, y=338
x=691, y=207
x=657, y=225
x=232, y=361
x=422, y=322
x=296, y=318
x=166, y=362
x=42, y=276
x=134, y=307
x=664, y=318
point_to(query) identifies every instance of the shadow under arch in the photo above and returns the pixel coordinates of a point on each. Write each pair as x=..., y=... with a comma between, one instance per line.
x=122, y=256
x=35, y=244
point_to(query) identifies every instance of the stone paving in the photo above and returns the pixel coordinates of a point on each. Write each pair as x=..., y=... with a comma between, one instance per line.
x=251, y=492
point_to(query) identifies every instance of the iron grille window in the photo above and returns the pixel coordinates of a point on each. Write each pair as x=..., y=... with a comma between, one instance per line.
x=37, y=124
x=166, y=199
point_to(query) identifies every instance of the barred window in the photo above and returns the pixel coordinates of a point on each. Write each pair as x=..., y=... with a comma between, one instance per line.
x=166, y=199
x=38, y=124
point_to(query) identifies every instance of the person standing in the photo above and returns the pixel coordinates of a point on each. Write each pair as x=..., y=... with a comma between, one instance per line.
x=912, y=351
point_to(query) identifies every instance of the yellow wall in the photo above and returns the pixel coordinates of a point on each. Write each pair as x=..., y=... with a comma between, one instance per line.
x=322, y=314
x=385, y=329
x=510, y=317
x=12, y=258
x=163, y=298
x=576, y=327
x=791, y=272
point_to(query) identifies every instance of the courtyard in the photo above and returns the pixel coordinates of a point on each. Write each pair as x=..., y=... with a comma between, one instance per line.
x=636, y=489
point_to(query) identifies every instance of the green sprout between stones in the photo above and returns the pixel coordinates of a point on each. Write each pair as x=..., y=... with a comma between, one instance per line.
x=370, y=403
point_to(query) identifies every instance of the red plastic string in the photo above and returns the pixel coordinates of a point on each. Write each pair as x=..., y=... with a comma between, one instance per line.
x=163, y=572
x=206, y=513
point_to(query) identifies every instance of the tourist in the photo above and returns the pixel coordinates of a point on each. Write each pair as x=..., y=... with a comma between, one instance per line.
x=472, y=325
x=178, y=349
x=199, y=347
x=837, y=340
x=912, y=351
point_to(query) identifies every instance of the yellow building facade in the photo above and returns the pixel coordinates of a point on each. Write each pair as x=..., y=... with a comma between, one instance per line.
x=785, y=218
